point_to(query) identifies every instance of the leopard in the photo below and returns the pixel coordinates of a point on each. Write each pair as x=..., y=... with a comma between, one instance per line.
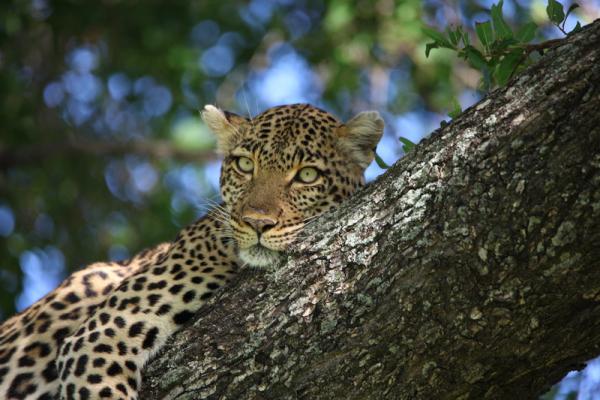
x=91, y=337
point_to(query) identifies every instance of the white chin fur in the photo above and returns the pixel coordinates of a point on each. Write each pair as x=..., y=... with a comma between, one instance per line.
x=260, y=257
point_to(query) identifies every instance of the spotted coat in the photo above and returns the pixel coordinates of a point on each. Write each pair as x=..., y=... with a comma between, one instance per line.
x=91, y=336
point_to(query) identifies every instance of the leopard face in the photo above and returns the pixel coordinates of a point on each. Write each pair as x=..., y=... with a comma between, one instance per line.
x=283, y=168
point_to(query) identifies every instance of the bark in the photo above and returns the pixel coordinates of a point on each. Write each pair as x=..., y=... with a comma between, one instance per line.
x=470, y=270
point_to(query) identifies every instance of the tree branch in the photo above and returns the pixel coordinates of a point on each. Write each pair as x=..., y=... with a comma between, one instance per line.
x=155, y=149
x=471, y=269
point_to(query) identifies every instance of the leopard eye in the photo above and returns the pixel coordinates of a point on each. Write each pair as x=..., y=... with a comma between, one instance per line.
x=245, y=164
x=307, y=175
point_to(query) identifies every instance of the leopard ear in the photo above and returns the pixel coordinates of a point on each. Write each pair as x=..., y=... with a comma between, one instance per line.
x=227, y=127
x=359, y=137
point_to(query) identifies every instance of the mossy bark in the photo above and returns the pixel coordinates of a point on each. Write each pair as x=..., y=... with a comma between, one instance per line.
x=470, y=270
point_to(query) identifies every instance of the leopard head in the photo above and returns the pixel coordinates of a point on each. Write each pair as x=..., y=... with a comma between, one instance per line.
x=283, y=168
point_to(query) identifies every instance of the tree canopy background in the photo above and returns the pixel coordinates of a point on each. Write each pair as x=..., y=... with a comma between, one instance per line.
x=102, y=151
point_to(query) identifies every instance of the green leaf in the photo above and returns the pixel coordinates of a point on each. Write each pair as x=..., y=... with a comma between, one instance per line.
x=456, y=109
x=453, y=36
x=501, y=45
x=407, y=145
x=475, y=58
x=380, y=163
x=555, y=12
x=507, y=66
x=526, y=33
x=577, y=28
x=465, y=38
x=438, y=37
x=571, y=8
x=484, y=33
x=501, y=28
x=429, y=47
x=457, y=35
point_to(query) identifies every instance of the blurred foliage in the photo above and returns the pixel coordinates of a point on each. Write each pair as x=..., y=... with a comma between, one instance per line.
x=102, y=152
x=121, y=72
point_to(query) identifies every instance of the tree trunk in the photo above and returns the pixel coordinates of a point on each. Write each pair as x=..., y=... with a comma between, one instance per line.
x=470, y=270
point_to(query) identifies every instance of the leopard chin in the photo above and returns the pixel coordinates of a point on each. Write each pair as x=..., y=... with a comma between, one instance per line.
x=260, y=257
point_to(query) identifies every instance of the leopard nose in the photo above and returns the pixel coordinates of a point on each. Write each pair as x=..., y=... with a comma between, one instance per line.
x=260, y=224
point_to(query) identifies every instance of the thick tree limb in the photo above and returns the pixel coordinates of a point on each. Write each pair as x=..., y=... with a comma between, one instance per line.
x=471, y=269
x=155, y=149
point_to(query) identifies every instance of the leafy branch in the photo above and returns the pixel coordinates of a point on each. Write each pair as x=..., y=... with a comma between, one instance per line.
x=558, y=17
x=500, y=52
